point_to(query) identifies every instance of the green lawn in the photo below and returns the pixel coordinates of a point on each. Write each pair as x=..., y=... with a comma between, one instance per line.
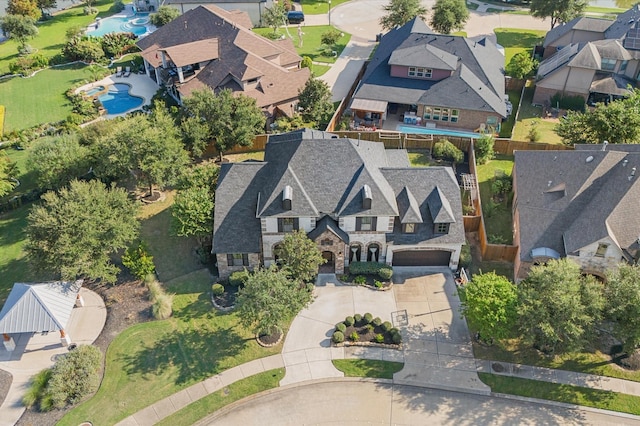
x=26, y=177
x=530, y=115
x=52, y=33
x=41, y=98
x=13, y=264
x=319, y=70
x=563, y=393
x=215, y=401
x=515, y=40
x=317, y=7
x=497, y=216
x=150, y=361
x=368, y=368
x=311, y=46
x=500, y=268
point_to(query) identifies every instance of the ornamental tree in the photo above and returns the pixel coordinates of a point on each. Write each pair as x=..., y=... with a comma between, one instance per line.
x=558, y=307
x=164, y=15
x=314, y=101
x=274, y=16
x=57, y=160
x=75, y=232
x=300, y=256
x=399, y=12
x=8, y=174
x=489, y=304
x=449, y=15
x=521, y=65
x=559, y=11
x=269, y=299
x=24, y=8
x=622, y=294
x=19, y=28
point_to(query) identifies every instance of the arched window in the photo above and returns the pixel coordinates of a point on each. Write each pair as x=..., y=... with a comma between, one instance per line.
x=373, y=253
x=355, y=251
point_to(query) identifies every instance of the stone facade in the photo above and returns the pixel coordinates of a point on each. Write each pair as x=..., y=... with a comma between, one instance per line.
x=328, y=242
x=224, y=270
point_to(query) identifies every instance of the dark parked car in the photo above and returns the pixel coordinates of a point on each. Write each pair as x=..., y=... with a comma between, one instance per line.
x=295, y=17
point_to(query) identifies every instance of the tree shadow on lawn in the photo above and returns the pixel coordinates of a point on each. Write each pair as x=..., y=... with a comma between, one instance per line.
x=195, y=354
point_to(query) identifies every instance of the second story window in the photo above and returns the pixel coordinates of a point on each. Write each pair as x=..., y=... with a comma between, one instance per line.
x=608, y=64
x=366, y=223
x=441, y=228
x=409, y=228
x=602, y=249
x=412, y=71
x=287, y=224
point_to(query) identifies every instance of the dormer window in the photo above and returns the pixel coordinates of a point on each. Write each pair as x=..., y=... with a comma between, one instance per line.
x=441, y=228
x=287, y=197
x=608, y=64
x=409, y=228
x=287, y=224
x=366, y=197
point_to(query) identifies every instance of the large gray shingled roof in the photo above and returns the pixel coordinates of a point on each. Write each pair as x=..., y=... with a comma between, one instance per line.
x=326, y=176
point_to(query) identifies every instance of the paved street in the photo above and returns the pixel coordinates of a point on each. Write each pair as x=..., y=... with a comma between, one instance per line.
x=360, y=403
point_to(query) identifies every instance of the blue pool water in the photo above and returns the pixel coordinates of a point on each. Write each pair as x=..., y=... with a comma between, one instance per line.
x=118, y=99
x=441, y=132
x=94, y=90
x=136, y=24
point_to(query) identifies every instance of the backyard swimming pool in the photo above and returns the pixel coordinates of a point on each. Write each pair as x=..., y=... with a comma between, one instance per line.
x=438, y=132
x=136, y=24
x=118, y=99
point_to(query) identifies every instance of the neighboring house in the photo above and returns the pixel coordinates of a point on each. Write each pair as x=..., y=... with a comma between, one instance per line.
x=357, y=200
x=146, y=5
x=208, y=47
x=253, y=8
x=432, y=80
x=592, y=58
x=578, y=204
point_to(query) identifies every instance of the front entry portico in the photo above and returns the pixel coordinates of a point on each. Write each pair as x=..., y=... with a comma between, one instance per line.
x=331, y=241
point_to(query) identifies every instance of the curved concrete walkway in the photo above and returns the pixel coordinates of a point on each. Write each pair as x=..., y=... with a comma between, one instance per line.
x=37, y=352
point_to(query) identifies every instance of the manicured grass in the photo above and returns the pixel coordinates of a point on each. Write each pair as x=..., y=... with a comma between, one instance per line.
x=150, y=361
x=41, y=98
x=530, y=115
x=13, y=262
x=52, y=33
x=26, y=177
x=319, y=70
x=500, y=268
x=515, y=40
x=563, y=393
x=238, y=158
x=173, y=256
x=317, y=7
x=368, y=368
x=497, y=217
x=419, y=158
x=606, y=10
x=311, y=46
x=215, y=401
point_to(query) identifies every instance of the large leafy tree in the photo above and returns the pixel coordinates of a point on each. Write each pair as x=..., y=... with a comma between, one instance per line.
x=314, y=101
x=616, y=122
x=274, y=16
x=57, y=160
x=192, y=210
x=489, y=304
x=74, y=233
x=269, y=299
x=8, y=174
x=146, y=147
x=399, y=12
x=449, y=15
x=300, y=256
x=19, y=28
x=46, y=4
x=225, y=118
x=521, y=65
x=559, y=11
x=558, y=307
x=24, y=8
x=622, y=293
x=164, y=15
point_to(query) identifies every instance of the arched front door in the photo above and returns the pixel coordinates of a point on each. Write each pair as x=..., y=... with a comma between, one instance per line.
x=329, y=266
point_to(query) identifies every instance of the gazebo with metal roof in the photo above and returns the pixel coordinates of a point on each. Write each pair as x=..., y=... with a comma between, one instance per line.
x=42, y=307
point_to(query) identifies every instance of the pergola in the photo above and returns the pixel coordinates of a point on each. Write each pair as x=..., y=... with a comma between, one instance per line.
x=41, y=307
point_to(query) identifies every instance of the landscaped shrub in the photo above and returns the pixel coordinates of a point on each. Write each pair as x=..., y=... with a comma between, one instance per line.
x=378, y=284
x=445, y=150
x=239, y=278
x=377, y=321
x=217, y=289
x=88, y=10
x=117, y=6
x=354, y=337
x=386, y=326
x=341, y=327
x=574, y=103
x=379, y=338
x=396, y=338
x=37, y=388
x=163, y=306
x=483, y=147
x=385, y=273
x=357, y=318
x=369, y=328
x=394, y=331
x=83, y=49
x=338, y=337
x=501, y=185
x=367, y=318
x=27, y=64
x=117, y=44
x=138, y=260
x=372, y=268
x=307, y=62
x=360, y=280
x=349, y=321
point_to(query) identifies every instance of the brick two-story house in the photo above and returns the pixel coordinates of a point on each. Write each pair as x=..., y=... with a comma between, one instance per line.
x=357, y=200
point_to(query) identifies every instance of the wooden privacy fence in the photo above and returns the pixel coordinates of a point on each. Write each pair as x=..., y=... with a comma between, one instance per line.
x=335, y=120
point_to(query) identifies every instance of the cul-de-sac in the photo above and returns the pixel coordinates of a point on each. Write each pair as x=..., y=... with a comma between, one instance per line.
x=292, y=212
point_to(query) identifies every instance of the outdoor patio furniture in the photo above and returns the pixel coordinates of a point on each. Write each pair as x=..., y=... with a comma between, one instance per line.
x=127, y=72
x=119, y=72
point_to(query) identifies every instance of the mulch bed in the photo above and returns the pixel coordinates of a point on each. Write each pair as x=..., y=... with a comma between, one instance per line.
x=367, y=335
x=226, y=300
x=268, y=340
x=127, y=304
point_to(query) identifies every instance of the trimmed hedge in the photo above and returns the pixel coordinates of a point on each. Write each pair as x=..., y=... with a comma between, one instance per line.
x=338, y=337
x=217, y=289
x=374, y=268
x=239, y=278
x=341, y=327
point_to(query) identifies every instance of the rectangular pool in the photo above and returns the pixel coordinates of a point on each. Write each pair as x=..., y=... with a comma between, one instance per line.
x=438, y=132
